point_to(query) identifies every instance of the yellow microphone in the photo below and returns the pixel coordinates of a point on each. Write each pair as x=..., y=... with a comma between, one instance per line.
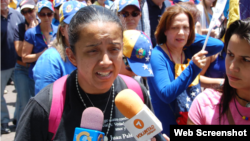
x=142, y=123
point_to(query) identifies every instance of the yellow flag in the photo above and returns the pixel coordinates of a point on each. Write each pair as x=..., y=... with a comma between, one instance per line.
x=233, y=13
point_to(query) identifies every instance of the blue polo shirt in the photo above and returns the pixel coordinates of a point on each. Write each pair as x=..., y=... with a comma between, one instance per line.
x=154, y=15
x=19, y=34
x=8, y=52
x=34, y=37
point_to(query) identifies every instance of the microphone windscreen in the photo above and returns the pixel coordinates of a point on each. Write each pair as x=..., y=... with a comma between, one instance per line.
x=128, y=103
x=92, y=118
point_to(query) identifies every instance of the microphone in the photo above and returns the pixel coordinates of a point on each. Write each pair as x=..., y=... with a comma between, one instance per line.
x=91, y=126
x=142, y=123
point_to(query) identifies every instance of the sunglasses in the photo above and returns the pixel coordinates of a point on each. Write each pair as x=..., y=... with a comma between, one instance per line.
x=133, y=14
x=27, y=11
x=126, y=63
x=45, y=14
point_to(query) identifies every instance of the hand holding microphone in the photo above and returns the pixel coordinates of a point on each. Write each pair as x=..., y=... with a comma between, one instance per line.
x=91, y=126
x=142, y=123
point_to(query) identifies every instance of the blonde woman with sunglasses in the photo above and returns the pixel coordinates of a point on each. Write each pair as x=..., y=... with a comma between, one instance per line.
x=54, y=63
x=37, y=39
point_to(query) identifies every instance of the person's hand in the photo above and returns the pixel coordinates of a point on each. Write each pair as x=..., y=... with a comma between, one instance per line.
x=153, y=139
x=31, y=25
x=199, y=59
x=219, y=85
x=164, y=135
x=213, y=33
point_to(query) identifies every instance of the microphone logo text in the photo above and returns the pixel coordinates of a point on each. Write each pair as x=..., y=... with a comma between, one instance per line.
x=147, y=131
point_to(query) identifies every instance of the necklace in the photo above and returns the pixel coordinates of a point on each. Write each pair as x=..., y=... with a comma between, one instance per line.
x=112, y=104
x=44, y=39
x=171, y=54
x=89, y=98
x=243, y=117
x=248, y=103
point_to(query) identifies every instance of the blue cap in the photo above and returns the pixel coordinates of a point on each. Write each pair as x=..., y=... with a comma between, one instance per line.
x=84, y=2
x=44, y=4
x=137, y=48
x=68, y=10
x=57, y=3
x=124, y=3
x=197, y=1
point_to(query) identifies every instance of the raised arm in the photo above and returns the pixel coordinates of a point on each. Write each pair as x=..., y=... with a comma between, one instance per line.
x=164, y=83
x=213, y=46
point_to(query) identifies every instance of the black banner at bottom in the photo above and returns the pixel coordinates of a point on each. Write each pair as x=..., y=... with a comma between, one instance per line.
x=214, y=132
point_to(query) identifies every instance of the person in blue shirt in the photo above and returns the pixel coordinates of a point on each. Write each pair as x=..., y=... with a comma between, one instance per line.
x=9, y=20
x=57, y=4
x=24, y=85
x=212, y=76
x=37, y=39
x=176, y=62
x=54, y=63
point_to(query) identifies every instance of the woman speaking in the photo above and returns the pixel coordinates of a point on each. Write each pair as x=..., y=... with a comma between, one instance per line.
x=95, y=37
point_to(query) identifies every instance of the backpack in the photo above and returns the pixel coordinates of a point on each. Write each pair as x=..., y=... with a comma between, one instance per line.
x=59, y=94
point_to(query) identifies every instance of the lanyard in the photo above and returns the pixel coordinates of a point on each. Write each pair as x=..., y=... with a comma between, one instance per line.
x=171, y=54
x=44, y=39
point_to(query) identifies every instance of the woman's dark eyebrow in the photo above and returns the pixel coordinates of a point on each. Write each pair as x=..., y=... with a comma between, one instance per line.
x=93, y=45
x=241, y=56
x=245, y=56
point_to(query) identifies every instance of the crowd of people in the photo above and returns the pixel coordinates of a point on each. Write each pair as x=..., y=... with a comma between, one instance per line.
x=94, y=47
